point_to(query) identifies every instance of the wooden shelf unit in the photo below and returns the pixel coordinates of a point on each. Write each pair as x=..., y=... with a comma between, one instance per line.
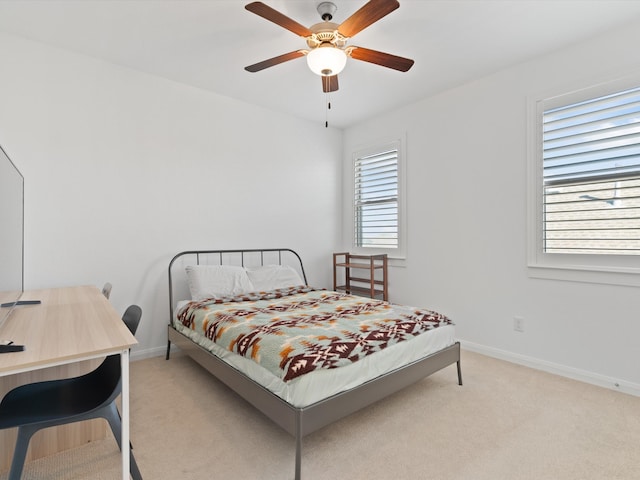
x=372, y=284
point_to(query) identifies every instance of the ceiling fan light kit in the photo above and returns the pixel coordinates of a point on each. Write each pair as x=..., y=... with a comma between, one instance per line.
x=326, y=60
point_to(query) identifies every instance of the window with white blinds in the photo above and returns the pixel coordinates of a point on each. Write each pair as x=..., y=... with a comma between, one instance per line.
x=376, y=220
x=591, y=176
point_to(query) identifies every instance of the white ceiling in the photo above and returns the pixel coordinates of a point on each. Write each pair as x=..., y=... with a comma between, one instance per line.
x=207, y=44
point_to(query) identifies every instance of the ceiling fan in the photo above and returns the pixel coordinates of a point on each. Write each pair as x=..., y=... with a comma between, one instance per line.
x=327, y=41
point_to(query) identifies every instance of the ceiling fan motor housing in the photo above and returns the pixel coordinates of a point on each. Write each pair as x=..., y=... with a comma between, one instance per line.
x=325, y=32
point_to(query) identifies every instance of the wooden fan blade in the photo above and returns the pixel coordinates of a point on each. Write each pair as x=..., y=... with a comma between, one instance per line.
x=329, y=83
x=256, y=67
x=369, y=13
x=278, y=18
x=380, y=58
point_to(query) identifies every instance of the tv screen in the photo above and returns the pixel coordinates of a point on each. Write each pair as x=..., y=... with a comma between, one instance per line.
x=11, y=235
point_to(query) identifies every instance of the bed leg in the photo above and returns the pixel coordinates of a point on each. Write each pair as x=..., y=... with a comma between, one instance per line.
x=168, y=349
x=298, y=446
x=459, y=373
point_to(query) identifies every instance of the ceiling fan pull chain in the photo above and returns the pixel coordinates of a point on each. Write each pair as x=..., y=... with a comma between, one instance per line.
x=326, y=118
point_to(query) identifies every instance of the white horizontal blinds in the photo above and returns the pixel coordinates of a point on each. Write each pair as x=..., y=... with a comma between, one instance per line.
x=376, y=200
x=591, y=170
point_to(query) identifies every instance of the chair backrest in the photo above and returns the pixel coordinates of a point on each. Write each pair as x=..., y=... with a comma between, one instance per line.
x=106, y=290
x=131, y=318
x=109, y=375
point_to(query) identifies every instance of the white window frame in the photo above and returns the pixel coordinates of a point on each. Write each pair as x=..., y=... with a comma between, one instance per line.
x=607, y=269
x=400, y=252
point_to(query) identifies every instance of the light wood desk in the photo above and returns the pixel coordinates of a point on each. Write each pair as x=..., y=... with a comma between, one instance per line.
x=66, y=335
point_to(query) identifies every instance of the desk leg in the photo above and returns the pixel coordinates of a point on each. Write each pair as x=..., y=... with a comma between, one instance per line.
x=124, y=362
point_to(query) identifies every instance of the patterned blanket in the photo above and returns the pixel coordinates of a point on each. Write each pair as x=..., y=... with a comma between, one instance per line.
x=297, y=330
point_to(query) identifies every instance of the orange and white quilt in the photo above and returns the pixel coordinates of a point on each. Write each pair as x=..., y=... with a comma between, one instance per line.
x=294, y=331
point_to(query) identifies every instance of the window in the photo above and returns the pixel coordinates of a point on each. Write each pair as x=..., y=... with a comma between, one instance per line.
x=377, y=200
x=591, y=170
x=587, y=185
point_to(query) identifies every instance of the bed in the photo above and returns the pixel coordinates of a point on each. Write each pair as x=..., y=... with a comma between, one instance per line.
x=250, y=318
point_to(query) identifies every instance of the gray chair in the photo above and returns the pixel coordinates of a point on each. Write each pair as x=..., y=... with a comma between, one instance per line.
x=106, y=290
x=41, y=405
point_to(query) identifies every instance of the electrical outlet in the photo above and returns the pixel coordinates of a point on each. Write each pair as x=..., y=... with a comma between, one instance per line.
x=518, y=324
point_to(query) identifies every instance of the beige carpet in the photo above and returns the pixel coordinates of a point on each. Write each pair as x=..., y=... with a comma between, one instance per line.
x=506, y=422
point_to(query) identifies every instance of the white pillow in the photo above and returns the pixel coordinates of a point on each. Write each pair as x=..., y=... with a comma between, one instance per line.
x=207, y=281
x=271, y=277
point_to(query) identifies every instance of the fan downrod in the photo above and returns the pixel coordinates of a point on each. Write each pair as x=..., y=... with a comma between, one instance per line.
x=327, y=10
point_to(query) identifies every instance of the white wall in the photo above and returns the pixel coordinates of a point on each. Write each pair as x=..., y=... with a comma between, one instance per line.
x=467, y=222
x=123, y=170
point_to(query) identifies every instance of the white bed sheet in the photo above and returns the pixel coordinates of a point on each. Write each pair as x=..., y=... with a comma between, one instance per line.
x=320, y=384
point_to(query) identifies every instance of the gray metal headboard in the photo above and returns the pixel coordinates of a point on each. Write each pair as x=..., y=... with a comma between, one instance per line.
x=178, y=288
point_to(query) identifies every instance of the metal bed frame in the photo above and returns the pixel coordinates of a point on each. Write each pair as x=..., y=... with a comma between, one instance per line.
x=299, y=422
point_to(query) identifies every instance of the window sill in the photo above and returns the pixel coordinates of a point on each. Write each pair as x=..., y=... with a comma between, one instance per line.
x=586, y=274
x=394, y=258
x=397, y=261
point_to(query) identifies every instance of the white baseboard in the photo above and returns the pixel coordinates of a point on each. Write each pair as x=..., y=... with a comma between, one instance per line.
x=557, y=369
x=149, y=353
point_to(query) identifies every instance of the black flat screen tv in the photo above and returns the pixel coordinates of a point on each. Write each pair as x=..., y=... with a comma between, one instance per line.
x=11, y=236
